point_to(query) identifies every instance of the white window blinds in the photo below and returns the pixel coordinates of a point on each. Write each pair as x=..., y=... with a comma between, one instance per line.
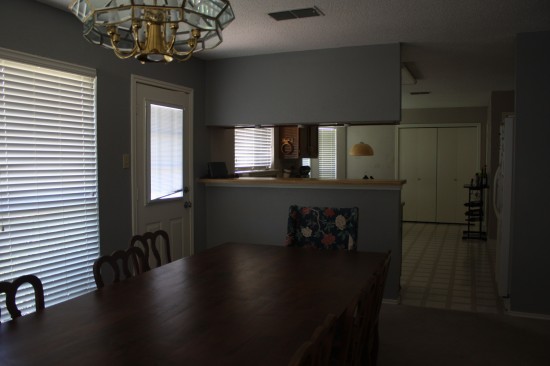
x=253, y=148
x=165, y=152
x=327, y=152
x=48, y=180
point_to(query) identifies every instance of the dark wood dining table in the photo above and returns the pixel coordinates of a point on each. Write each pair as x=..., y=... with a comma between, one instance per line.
x=234, y=304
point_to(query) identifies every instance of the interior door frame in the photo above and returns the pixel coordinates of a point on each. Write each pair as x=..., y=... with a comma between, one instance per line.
x=137, y=79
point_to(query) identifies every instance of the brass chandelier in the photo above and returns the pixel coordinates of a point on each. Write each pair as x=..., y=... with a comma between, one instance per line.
x=154, y=30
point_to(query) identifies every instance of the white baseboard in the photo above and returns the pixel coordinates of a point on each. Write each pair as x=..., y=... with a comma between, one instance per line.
x=529, y=315
x=391, y=301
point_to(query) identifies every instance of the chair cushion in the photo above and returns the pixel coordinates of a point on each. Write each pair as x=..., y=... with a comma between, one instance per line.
x=322, y=227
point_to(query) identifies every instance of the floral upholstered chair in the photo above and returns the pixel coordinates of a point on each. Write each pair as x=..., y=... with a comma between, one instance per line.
x=322, y=227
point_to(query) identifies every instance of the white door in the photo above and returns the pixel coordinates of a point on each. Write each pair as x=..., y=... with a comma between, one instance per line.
x=417, y=164
x=162, y=163
x=457, y=157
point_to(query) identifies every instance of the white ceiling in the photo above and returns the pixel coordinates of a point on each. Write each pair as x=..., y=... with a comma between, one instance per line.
x=459, y=50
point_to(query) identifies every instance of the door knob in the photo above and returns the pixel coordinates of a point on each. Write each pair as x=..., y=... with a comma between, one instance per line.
x=187, y=204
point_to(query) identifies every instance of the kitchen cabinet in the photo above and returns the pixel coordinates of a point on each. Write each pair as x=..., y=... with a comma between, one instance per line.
x=298, y=142
x=437, y=162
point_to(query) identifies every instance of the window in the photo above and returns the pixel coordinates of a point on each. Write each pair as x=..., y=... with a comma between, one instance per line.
x=253, y=148
x=327, y=152
x=166, y=152
x=326, y=163
x=48, y=177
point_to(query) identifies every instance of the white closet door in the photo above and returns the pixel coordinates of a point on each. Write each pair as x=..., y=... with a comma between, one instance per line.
x=417, y=164
x=457, y=157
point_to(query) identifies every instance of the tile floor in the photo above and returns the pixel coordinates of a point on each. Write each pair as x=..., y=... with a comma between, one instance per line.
x=440, y=270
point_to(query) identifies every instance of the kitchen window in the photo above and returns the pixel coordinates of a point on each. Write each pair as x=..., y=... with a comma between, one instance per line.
x=253, y=149
x=49, y=221
x=326, y=165
x=327, y=152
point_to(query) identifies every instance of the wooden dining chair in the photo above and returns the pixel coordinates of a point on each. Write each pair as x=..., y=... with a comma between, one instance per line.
x=361, y=331
x=318, y=350
x=11, y=288
x=150, y=242
x=374, y=336
x=351, y=341
x=303, y=356
x=322, y=227
x=123, y=263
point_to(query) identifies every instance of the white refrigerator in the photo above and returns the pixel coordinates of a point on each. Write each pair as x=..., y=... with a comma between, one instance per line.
x=502, y=202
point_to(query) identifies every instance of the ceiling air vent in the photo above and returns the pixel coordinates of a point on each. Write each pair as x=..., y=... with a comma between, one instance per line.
x=297, y=13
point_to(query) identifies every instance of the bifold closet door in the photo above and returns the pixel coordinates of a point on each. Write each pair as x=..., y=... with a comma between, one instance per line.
x=417, y=164
x=457, y=156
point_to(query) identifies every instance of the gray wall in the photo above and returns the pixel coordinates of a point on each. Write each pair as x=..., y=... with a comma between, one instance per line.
x=354, y=84
x=530, y=251
x=259, y=215
x=62, y=40
x=444, y=115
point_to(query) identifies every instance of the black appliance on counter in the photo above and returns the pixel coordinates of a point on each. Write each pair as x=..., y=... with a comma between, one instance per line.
x=305, y=171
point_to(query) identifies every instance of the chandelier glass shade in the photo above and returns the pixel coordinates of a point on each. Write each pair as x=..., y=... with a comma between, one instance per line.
x=154, y=30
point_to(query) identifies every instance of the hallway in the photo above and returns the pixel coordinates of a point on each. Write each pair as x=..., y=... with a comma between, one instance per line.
x=440, y=270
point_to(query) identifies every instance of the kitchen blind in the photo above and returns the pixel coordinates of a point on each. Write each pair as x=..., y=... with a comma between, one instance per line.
x=327, y=152
x=48, y=178
x=253, y=148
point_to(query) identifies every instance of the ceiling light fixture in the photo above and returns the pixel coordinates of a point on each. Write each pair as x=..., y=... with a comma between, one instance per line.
x=361, y=149
x=154, y=30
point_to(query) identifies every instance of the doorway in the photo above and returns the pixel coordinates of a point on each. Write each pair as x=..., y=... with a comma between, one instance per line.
x=162, y=193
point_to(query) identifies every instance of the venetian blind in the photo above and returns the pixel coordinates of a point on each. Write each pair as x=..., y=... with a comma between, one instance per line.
x=253, y=148
x=48, y=179
x=327, y=152
x=165, y=152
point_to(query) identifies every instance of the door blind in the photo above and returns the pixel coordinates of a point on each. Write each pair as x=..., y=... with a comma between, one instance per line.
x=165, y=131
x=48, y=180
x=327, y=152
x=253, y=148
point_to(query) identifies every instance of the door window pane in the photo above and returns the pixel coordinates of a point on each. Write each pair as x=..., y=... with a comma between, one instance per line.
x=165, y=152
